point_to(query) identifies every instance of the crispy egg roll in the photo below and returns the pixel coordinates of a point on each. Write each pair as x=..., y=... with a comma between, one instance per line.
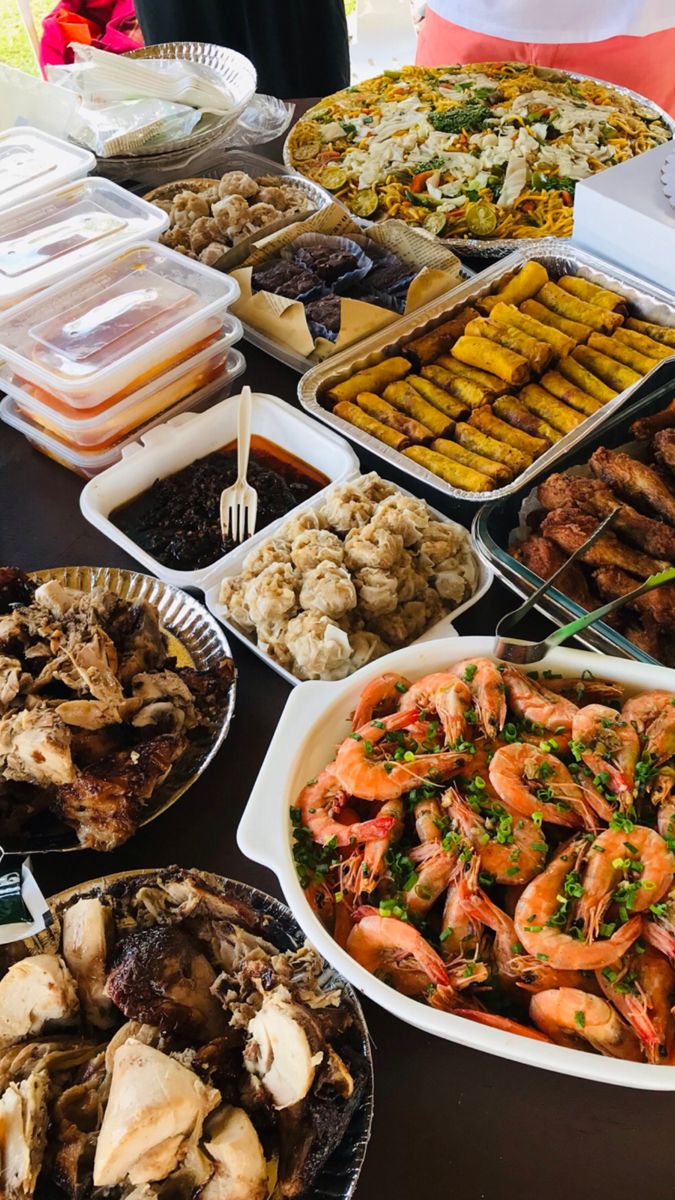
x=617, y=349
x=521, y=286
x=426, y=348
x=507, y=314
x=608, y=369
x=391, y=437
x=660, y=333
x=578, y=310
x=592, y=293
x=470, y=394
x=473, y=439
x=492, y=383
x=489, y=356
x=585, y=380
x=486, y=466
x=405, y=398
x=553, y=411
x=564, y=389
x=376, y=407
x=511, y=409
x=452, y=472
x=438, y=396
x=490, y=424
x=574, y=329
x=645, y=345
x=373, y=379
x=538, y=354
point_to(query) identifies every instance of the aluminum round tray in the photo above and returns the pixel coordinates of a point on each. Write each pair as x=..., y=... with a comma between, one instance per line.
x=339, y=1177
x=204, y=643
x=494, y=248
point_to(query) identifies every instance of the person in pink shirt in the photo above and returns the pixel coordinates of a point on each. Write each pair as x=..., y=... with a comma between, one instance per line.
x=629, y=42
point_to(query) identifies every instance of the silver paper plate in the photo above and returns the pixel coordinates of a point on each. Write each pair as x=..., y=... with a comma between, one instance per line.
x=205, y=643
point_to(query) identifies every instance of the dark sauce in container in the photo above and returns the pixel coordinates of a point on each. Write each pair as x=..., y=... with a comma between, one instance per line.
x=177, y=519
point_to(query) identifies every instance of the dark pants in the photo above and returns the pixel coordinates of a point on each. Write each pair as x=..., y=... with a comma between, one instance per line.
x=299, y=47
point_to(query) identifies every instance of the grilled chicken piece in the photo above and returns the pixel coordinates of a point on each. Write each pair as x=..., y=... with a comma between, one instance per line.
x=594, y=497
x=658, y=606
x=645, y=428
x=633, y=479
x=13, y=679
x=77, y=1115
x=141, y=644
x=104, y=803
x=95, y=714
x=233, y=1144
x=285, y=1049
x=664, y=448
x=36, y=993
x=23, y=1135
x=86, y=936
x=210, y=687
x=544, y=557
x=35, y=747
x=160, y=977
x=15, y=588
x=569, y=528
x=164, y=700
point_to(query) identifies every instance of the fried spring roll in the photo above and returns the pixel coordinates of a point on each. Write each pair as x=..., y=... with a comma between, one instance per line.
x=465, y=391
x=574, y=329
x=621, y=352
x=524, y=284
x=376, y=407
x=489, y=356
x=659, y=333
x=481, y=443
x=645, y=345
x=485, y=420
x=405, y=398
x=426, y=349
x=553, y=411
x=452, y=472
x=591, y=293
x=511, y=409
x=438, y=396
x=487, y=466
x=578, y=310
x=538, y=354
x=391, y=437
x=563, y=389
x=585, y=380
x=491, y=382
x=506, y=314
x=607, y=369
x=373, y=379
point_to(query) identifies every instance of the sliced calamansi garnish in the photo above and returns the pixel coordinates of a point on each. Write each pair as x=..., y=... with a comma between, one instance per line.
x=333, y=177
x=481, y=218
x=364, y=203
x=306, y=141
x=435, y=223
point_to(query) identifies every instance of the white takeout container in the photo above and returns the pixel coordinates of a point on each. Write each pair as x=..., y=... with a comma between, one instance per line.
x=177, y=443
x=33, y=162
x=235, y=561
x=45, y=240
x=115, y=324
x=312, y=724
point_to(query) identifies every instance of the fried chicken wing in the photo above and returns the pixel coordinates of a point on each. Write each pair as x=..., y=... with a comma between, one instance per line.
x=634, y=480
x=595, y=497
x=664, y=448
x=569, y=528
x=658, y=605
x=645, y=428
x=544, y=557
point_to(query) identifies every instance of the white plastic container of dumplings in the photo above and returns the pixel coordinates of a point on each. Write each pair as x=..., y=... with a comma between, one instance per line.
x=33, y=163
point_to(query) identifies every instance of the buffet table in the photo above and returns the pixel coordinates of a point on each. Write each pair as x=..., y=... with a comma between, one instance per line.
x=447, y=1118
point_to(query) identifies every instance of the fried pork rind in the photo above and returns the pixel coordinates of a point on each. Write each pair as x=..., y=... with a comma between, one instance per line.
x=187, y=207
x=273, y=592
x=230, y=213
x=372, y=546
x=320, y=649
x=328, y=589
x=203, y=232
x=314, y=546
x=237, y=183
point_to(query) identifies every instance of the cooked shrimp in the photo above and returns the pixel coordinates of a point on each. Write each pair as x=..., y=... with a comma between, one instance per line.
x=643, y=709
x=506, y=1024
x=445, y=695
x=633, y=870
x=316, y=804
x=486, y=685
x=660, y=742
x=570, y=1017
x=659, y=929
x=533, y=781
x=586, y=691
x=532, y=702
x=380, y=697
x=436, y=867
x=460, y=932
x=641, y=988
x=381, y=944
x=510, y=847
x=542, y=907
x=322, y=903
x=385, y=779
x=610, y=747
x=374, y=853
x=428, y=819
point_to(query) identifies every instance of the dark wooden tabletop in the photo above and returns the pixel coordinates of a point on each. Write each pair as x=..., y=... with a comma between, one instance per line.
x=448, y=1121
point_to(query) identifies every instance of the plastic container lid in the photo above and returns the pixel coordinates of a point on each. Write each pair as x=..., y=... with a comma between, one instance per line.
x=45, y=240
x=88, y=429
x=115, y=324
x=33, y=162
x=91, y=463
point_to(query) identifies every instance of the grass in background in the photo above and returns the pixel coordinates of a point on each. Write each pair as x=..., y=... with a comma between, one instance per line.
x=15, y=48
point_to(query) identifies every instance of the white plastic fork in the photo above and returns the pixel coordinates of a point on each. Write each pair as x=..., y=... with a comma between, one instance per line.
x=239, y=502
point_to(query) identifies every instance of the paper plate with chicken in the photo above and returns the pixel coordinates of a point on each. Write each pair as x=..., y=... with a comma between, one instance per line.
x=478, y=154
x=116, y=691
x=170, y=1036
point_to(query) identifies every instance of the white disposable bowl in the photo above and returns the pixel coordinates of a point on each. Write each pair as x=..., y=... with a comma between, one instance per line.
x=313, y=721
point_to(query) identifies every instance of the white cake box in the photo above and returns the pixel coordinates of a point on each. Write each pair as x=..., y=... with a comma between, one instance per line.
x=623, y=215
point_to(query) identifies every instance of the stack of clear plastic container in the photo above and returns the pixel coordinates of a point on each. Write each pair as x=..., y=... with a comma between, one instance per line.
x=94, y=361
x=33, y=163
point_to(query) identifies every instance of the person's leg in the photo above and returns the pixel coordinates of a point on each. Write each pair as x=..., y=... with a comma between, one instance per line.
x=441, y=43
